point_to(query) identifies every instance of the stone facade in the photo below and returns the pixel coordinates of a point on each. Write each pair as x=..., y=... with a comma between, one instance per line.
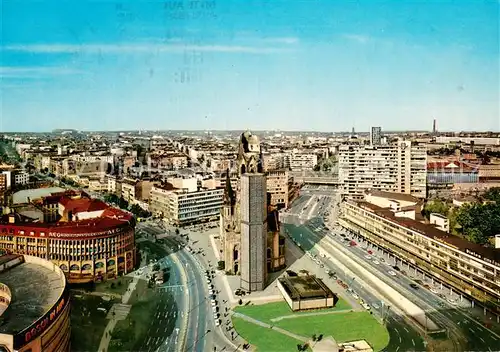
x=252, y=245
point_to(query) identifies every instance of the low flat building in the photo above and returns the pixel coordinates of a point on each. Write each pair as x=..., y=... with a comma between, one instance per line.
x=305, y=292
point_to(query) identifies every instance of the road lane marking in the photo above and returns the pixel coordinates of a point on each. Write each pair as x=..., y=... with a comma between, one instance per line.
x=471, y=330
x=396, y=330
x=406, y=330
x=400, y=340
x=482, y=339
x=413, y=342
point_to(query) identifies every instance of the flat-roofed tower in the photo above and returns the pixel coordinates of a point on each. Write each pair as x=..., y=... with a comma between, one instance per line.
x=253, y=231
x=253, y=207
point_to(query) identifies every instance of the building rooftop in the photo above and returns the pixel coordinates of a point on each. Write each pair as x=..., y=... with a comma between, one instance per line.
x=394, y=196
x=450, y=166
x=79, y=205
x=430, y=231
x=108, y=219
x=33, y=194
x=305, y=287
x=34, y=290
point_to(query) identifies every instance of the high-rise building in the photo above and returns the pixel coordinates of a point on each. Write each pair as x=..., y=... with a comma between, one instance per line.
x=253, y=231
x=376, y=136
x=434, y=127
x=392, y=168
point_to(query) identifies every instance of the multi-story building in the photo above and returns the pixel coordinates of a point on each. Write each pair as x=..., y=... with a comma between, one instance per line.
x=181, y=206
x=87, y=239
x=133, y=190
x=376, y=136
x=3, y=187
x=393, y=168
x=21, y=178
x=448, y=173
x=278, y=187
x=391, y=222
x=275, y=161
x=303, y=161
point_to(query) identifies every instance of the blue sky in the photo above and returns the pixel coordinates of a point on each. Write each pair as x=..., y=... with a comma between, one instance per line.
x=234, y=64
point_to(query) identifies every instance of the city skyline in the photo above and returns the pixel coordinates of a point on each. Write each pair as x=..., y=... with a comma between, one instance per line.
x=265, y=65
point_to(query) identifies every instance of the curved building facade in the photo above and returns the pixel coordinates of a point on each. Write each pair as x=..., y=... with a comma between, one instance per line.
x=87, y=239
x=34, y=305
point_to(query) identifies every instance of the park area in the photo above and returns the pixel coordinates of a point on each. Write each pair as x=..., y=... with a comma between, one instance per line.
x=280, y=329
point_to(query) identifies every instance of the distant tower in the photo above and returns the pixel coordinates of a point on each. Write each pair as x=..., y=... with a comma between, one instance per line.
x=353, y=132
x=253, y=206
x=376, y=136
x=434, y=127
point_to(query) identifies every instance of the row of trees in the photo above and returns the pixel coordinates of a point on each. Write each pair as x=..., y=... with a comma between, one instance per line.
x=478, y=222
x=123, y=204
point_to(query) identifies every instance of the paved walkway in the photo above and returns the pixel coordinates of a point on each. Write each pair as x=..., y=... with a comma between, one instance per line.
x=265, y=325
x=293, y=316
x=106, y=336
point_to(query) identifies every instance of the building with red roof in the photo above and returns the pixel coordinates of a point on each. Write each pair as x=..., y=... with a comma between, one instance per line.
x=451, y=172
x=85, y=237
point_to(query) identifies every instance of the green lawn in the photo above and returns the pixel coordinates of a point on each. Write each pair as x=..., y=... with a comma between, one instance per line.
x=265, y=339
x=117, y=286
x=129, y=333
x=152, y=250
x=266, y=312
x=343, y=327
x=87, y=323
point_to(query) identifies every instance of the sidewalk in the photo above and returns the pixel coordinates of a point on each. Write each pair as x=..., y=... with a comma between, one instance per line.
x=106, y=337
x=476, y=313
x=275, y=328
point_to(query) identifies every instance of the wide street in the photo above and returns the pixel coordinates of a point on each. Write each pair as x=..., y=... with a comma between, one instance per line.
x=403, y=336
x=195, y=321
x=163, y=335
x=465, y=325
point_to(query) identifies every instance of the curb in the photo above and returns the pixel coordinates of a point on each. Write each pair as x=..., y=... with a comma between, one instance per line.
x=186, y=301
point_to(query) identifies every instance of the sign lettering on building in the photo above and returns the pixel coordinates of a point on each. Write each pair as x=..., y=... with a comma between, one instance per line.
x=41, y=325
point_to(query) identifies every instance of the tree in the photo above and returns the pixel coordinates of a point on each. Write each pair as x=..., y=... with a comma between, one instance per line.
x=436, y=206
x=479, y=222
x=493, y=194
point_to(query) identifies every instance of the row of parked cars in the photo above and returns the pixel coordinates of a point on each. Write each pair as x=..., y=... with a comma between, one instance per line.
x=213, y=296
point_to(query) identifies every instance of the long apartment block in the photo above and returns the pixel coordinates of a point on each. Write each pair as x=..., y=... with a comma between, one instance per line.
x=391, y=168
x=391, y=223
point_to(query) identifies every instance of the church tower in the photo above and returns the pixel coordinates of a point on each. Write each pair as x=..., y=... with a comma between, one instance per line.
x=253, y=202
x=230, y=228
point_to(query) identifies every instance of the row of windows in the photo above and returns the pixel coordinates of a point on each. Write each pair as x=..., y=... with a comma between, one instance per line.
x=427, y=248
